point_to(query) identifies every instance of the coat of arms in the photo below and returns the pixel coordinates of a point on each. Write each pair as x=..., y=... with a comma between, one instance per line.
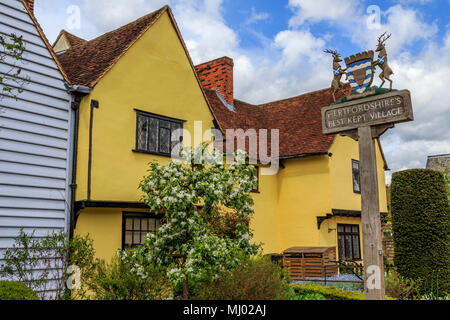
x=361, y=71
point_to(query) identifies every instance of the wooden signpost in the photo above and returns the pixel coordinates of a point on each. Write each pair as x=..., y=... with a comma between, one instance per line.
x=365, y=120
x=364, y=116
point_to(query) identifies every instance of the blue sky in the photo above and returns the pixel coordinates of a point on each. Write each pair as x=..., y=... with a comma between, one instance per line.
x=277, y=47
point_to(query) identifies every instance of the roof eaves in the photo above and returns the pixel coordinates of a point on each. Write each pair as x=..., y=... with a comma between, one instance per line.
x=303, y=155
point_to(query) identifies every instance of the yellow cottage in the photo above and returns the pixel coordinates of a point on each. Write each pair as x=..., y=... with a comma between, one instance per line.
x=135, y=85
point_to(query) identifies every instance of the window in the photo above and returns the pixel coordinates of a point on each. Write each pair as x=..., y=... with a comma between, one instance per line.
x=135, y=228
x=256, y=189
x=155, y=134
x=348, y=242
x=356, y=177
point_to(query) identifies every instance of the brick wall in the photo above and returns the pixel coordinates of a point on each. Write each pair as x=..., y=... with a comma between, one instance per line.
x=218, y=74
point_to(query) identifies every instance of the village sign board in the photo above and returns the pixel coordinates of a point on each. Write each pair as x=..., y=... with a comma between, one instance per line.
x=392, y=107
x=365, y=114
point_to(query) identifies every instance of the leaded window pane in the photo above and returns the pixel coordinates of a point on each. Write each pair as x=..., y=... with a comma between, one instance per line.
x=142, y=133
x=164, y=140
x=154, y=134
x=177, y=138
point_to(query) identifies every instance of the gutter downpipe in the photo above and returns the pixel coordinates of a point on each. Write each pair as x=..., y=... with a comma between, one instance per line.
x=78, y=93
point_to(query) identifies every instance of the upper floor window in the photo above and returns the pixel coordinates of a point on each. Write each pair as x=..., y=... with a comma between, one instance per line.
x=356, y=176
x=155, y=133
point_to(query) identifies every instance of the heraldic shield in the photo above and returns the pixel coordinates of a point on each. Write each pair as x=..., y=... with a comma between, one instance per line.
x=359, y=70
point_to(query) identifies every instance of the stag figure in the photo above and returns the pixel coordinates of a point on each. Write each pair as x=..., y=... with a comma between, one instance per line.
x=382, y=61
x=338, y=72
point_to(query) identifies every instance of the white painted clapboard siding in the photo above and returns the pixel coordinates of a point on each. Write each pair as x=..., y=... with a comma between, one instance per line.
x=35, y=141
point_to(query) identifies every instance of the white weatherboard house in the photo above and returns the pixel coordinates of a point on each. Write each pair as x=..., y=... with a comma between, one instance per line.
x=35, y=135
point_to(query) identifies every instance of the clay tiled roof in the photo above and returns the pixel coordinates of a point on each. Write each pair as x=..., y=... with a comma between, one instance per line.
x=73, y=40
x=297, y=118
x=87, y=62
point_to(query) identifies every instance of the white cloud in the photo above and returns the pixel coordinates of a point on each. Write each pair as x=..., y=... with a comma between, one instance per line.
x=318, y=10
x=256, y=17
x=404, y=24
x=409, y=144
x=107, y=15
x=292, y=62
x=204, y=30
x=297, y=45
x=414, y=1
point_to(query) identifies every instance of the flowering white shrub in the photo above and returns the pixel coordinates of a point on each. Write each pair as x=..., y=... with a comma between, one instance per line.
x=186, y=193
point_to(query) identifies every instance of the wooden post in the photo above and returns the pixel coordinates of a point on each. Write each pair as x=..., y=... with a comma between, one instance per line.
x=363, y=118
x=372, y=244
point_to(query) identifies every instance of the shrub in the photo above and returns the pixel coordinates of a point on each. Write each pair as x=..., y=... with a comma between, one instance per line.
x=255, y=279
x=399, y=287
x=431, y=296
x=52, y=255
x=331, y=293
x=421, y=225
x=10, y=290
x=115, y=281
x=312, y=296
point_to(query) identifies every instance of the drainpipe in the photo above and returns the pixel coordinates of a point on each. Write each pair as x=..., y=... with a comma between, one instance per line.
x=78, y=93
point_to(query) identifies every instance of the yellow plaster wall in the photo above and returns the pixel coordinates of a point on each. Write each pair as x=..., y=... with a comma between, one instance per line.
x=344, y=149
x=154, y=76
x=264, y=222
x=304, y=194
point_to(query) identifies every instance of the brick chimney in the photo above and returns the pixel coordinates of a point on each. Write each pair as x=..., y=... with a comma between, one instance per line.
x=218, y=74
x=30, y=4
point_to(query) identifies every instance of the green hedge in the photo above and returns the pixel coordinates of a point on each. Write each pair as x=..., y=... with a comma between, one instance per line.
x=421, y=225
x=331, y=293
x=10, y=290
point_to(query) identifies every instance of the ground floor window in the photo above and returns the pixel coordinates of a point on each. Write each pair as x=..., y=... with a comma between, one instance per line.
x=348, y=242
x=136, y=226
